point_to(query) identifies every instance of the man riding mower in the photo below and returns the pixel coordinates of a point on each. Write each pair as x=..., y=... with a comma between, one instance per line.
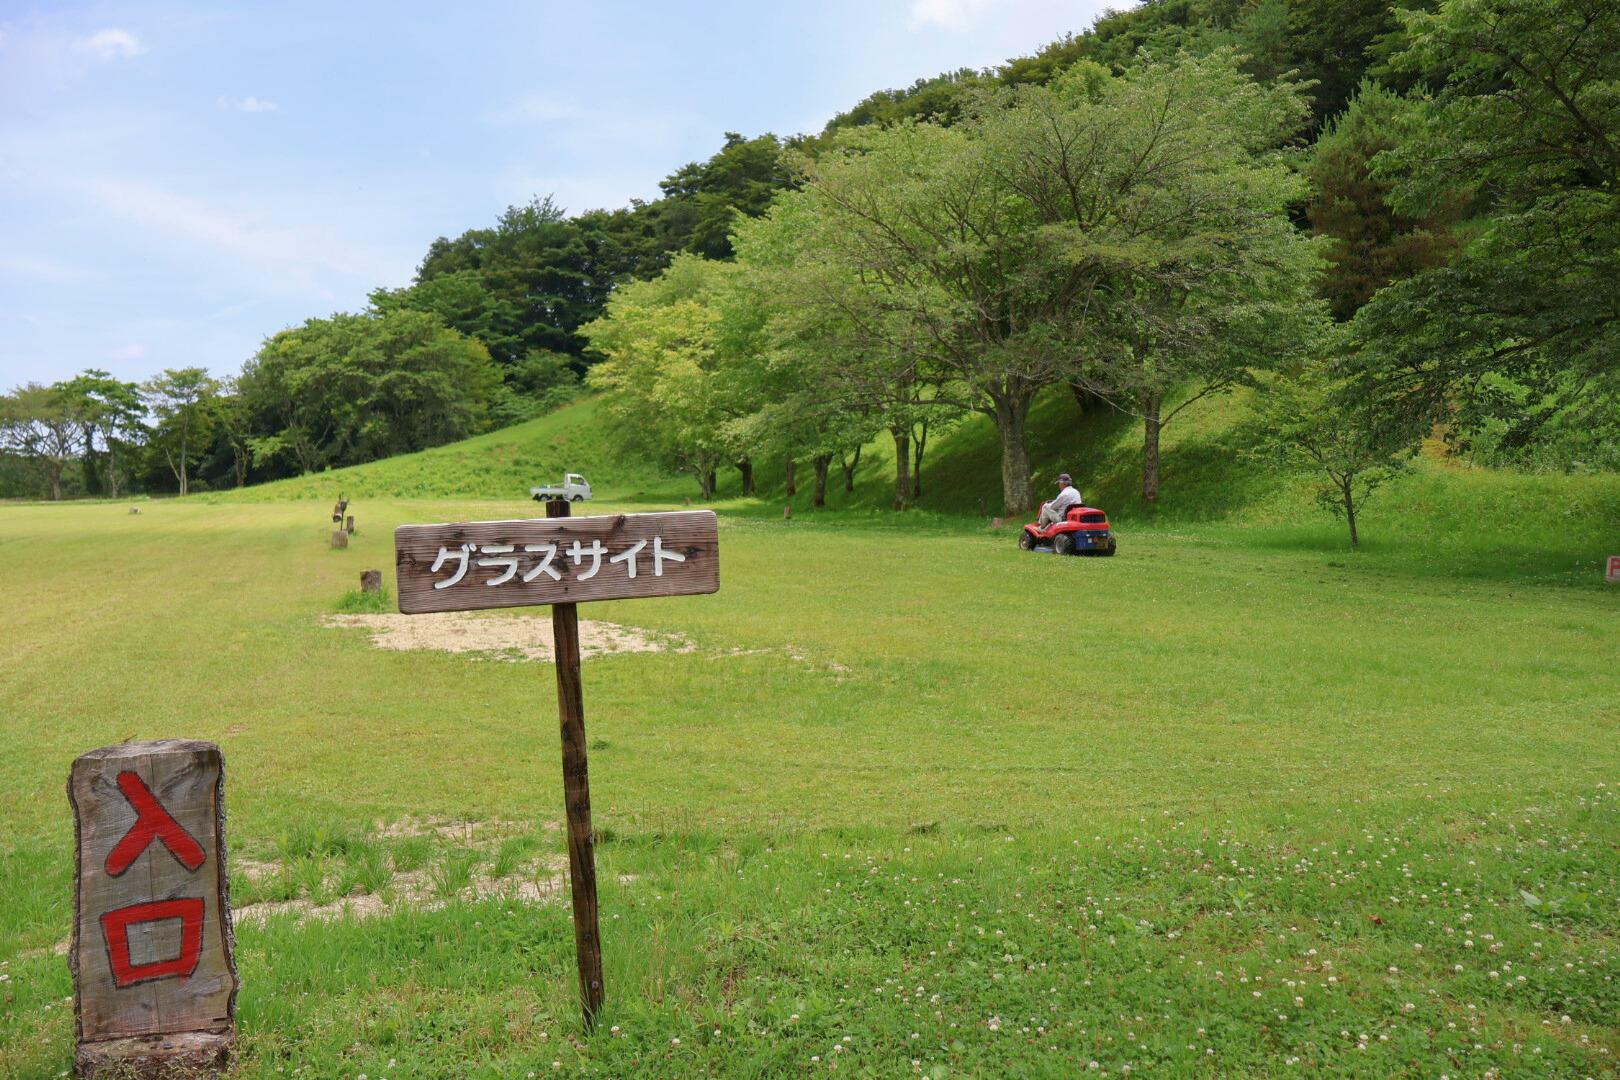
x=1067, y=526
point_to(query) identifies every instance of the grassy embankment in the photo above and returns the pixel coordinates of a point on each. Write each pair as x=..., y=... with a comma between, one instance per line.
x=1230, y=803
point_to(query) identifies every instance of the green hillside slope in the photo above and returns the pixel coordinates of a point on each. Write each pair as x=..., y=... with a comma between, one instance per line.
x=1472, y=520
x=502, y=464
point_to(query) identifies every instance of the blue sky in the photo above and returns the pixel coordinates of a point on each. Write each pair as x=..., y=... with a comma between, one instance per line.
x=179, y=182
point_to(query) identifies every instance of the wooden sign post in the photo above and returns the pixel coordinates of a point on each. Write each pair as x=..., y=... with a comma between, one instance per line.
x=561, y=561
x=154, y=976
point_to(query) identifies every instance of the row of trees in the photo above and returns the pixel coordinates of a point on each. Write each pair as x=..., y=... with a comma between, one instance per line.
x=1192, y=196
x=1121, y=234
x=348, y=388
x=1133, y=235
x=115, y=432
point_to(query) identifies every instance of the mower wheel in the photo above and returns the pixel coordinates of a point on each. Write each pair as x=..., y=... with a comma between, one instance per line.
x=1025, y=540
x=1110, y=549
x=1063, y=543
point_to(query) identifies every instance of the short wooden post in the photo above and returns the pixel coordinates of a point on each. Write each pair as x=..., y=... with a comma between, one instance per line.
x=348, y=525
x=340, y=539
x=371, y=581
x=154, y=976
x=787, y=513
x=996, y=523
x=577, y=796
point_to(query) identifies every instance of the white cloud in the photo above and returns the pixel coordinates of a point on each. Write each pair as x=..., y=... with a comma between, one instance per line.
x=132, y=351
x=249, y=104
x=952, y=15
x=532, y=109
x=110, y=44
x=299, y=253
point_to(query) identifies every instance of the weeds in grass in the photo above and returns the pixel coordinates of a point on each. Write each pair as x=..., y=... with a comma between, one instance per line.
x=367, y=871
x=359, y=602
x=454, y=874
x=511, y=854
x=412, y=853
x=313, y=878
x=306, y=839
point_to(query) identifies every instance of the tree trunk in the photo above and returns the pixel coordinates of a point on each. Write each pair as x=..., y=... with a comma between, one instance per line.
x=746, y=468
x=919, y=442
x=792, y=488
x=1347, y=488
x=706, y=479
x=56, y=485
x=183, y=470
x=1150, y=448
x=112, y=471
x=1011, y=414
x=849, y=468
x=902, y=466
x=822, y=462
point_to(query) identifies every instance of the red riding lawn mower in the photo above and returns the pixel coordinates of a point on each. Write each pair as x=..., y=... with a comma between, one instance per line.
x=1084, y=531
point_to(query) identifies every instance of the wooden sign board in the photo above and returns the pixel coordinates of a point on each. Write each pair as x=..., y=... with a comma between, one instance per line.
x=562, y=561
x=1614, y=569
x=558, y=560
x=154, y=974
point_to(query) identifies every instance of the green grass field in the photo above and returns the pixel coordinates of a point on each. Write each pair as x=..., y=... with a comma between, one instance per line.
x=1232, y=803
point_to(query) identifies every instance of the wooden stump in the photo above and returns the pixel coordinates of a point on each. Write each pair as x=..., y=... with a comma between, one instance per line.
x=371, y=581
x=340, y=539
x=996, y=523
x=787, y=513
x=183, y=1056
x=348, y=526
x=154, y=973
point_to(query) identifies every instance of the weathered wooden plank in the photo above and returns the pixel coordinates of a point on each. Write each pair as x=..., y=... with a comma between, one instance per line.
x=492, y=564
x=152, y=951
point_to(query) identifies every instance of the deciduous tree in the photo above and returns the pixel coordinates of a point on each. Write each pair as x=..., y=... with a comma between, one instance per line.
x=182, y=402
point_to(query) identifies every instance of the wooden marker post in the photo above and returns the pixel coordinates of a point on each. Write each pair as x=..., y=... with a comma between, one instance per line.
x=561, y=561
x=577, y=795
x=154, y=976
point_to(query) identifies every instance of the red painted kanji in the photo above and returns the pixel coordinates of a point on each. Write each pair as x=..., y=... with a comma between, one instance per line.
x=152, y=823
x=115, y=927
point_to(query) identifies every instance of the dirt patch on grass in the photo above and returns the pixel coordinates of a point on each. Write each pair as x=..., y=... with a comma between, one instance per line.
x=475, y=834
x=503, y=637
x=537, y=883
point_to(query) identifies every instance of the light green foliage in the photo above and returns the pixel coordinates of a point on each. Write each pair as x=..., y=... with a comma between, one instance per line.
x=1352, y=445
x=666, y=348
x=1129, y=233
x=360, y=387
x=1266, y=762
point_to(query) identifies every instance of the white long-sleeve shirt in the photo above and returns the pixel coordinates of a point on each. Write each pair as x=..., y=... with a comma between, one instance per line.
x=1069, y=496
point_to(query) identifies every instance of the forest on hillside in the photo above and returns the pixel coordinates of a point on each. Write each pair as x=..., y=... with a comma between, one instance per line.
x=1389, y=219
